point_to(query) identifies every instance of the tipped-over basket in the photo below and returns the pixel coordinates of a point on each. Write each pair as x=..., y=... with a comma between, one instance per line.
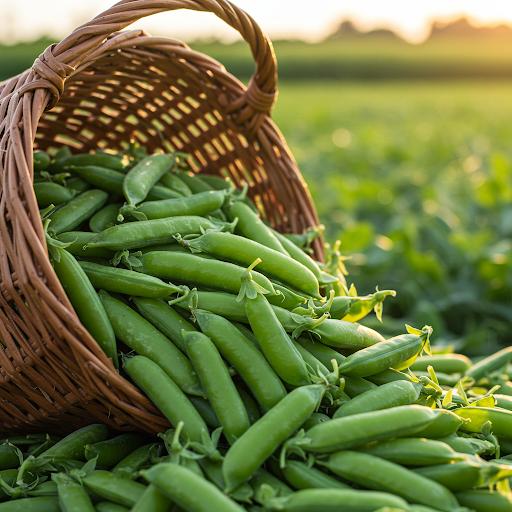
x=100, y=88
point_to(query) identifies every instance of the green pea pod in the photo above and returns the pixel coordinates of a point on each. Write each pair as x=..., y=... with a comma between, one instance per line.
x=386, y=376
x=129, y=282
x=194, y=270
x=40, y=504
x=72, y=496
x=244, y=251
x=166, y=395
x=138, y=334
x=188, y=490
x=104, y=218
x=41, y=160
x=444, y=363
x=194, y=182
x=9, y=476
x=87, y=159
x=86, y=302
x=489, y=364
x=300, y=476
x=503, y=401
x=342, y=334
x=365, y=304
x=114, y=488
x=315, y=419
x=217, y=182
x=382, y=355
x=322, y=352
x=52, y=193
x=251, y=226
x=199, y=204
x=393, y=394
x=218, y=385
x=73, y=445
x=8, y=457
x=263, y=438
x=172, y=181
x=382, y=475
x=481, y=500
x=205, y=410
x=112, y=451
x=261, y=479
x=77, y=241
x=339, y=307
x=287, y=298
x=134, y=235
x=249, y=363
x=109, y=506
x=129, y=466
x=47, y=488
x=164, y=318
x=275, y=344
x=445, y=423
x=356, y=430
x=152, y=500
x=80, y=208
x=501, y=419
x=355, y=386
x=77, y=183
x=320, y=500
x=470, y=445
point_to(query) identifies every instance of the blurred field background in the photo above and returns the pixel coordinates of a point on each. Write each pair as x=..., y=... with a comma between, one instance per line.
x=407, y=152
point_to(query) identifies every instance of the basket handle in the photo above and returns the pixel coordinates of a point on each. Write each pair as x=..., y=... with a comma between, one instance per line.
x=61, y=60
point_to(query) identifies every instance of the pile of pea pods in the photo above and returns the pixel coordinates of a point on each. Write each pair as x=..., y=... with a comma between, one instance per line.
x=279, y=398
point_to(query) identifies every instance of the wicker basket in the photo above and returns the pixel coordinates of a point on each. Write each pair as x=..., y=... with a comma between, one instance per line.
x=95, y=89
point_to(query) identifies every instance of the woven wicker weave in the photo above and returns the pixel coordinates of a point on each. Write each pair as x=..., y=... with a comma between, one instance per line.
x=95, y=89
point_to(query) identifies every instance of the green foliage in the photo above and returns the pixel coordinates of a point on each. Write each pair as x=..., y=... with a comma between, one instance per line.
x=416, y=181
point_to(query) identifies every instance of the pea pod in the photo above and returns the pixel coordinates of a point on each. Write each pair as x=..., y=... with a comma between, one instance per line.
x=80, y=208
x=134, y=235
x=112, y=451
x=8, y=457
x=342, y=334
x=172, y=181
x=41, y=160
x=382, y=475
x=217, y=383
x=52, y=193
x=77, y=183
x=481, y=500
x=243, y=251
x=104, y=218
x=109, y=506
x=152, y=500
x=78, y=239
x=136, y=332
x=114, y=488
x=355, y=386
x=261, y=478
x=72, y=496
x=47, y=488
x=444, y=363
x=242, y=459
x=470, y=445
x=490, y=364
x=353, y=431
x=386, y=376
x=86, y=302
x=365, y=304
x=501, y=419
x=129, y=466
x=287, y=298
x=205, y=410
x=129, y=282
x=39, y=504
x=193, y=181
x=445, y=423
x=216, y=182
x=166, y=395
x=382, y=355
x=300, y=476
x=87, y=159
x=393, y=394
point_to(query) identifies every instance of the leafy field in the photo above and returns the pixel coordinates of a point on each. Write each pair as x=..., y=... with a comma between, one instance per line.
x=415, y=178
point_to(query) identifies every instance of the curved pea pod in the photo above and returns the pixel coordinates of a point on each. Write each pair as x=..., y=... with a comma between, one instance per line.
x=78, y=239
x=387, y=376
x=80, y=208
x=166, y=395
x=481, y=500
x=41, y=160
x=249, y=363
x=217, y=182
x=77, y=183
x=382, y=475
x=73, y=445
x=130, y=465
x=469, y=445
x=39, y=504
x=52, y=193
x=286, y=298
x=87, y=159
x=129, y=282
x=242, y=459
x=382, y=355
x=414, y=451
x=444, y=363
x=365, y=304
x=188, y=490
x=133, y=235
x=315, y=419
x=138, y=334
x=342, y=334
x=490, y=364
x=503, y=401
x=205, y=410
x=217, y=383
x=186, y=267
x=141, y=178
x=111, y=451
x=322, y=352
x=114, y=488
x=300, y=476
x=198, y=204
x=501, y=419
x=104, y=218
x=194, y=182
x=353, y=431
x=244, y=251
x=86, y=302
x=446, y=423
x=393, y=394
x=172, y=181
x=72, y=496
x=152, y=500
x=8, y=457
x=355, y=386
x=164, y=318
x=252, y=227
x=326, y=500
x=341, y=306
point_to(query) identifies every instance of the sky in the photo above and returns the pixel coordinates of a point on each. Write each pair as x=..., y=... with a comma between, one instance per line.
x=310, y=20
